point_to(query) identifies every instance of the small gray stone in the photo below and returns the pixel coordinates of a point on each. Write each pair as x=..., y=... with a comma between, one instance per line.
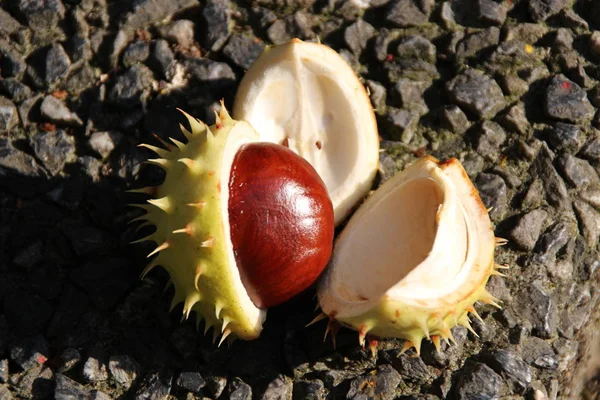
x=474, y=43
x=54, y=149
x=310, y=390
x=413, y=368
x=136, y=52
x=565, y=100
x=415, y=47
x=30, y=352
x=578, y=172
x=539, y=353
x=594, y=43
x=477, y=93
x=15, y=90
x=478, y=381
x=540, y=309
x=11, y=62
x=30, y=256
x=405, y=14
x=8, y=24
x=490, y=139
x=515, y=119
x=512, y=368
x=357, y=35
x=403, y=124
x=540, y=10
x=94, y=370
x=533, y=195
x=42, y=15
x=243, y=50
x=493, y=192
x=69, y=358
x=380, y=384
x=4, y=373
x=567, y=137
x=68, y=389
x=8, y=115
x=556, y=189
x=378, y=95
x=57, y=64
x=54, y=110
x=124, y=369
x=566, y=350
x=162, y=58
x=131, y=88
x=589, y=220
x=239, y=390
x=147, y=12
x=5, y=393
x=190, y=381
x=180, y=32
x=297, y=25
x=104, y=143
x=591, y=150
x=98, y=395
x=491, y=12
x=209, y=71
x=513, y=85
x=591, y=195
x=218, y=24
x=454, y=119
x=14, y=162
x=280, y=388
x=155, y=386
x=527, y=231
x=410, y=95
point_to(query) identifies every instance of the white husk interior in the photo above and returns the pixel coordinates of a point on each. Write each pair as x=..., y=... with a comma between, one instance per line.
x=314, y=100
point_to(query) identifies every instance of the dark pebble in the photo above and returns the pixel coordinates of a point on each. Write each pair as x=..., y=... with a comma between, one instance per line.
x=512, y=368
x=54, y=149
x=565, y=100
x=405, y=14
x=4, y=373
x=8, y=24
x=146, y=12
x=30, y=352
x=357, y=35
x=454, y=119
x=8, y=114
x=540, y=10
x=238, y=390
x=380, y=384
x=527, y=230
x=57, y=64
x=567, y=137
x=416, y=47
x=30, y=256
x=490, y=138
x=68, y=389
x=578, y=172
x=556, y=189
x=190, y=381
x=477, y=93
x=478, y=381
x=280, y=388
x=409, y=94
x=94, y=370
x=402, y=124
x=15, y=90
x=217, y=74
x=540, y=309
x=104, y=143
x=297, y=25
x=131, y=88
x=162, y=59
x=491, y=12
x=472, y=44
x=136, y=52
x=124, y=369
x=589, y=221
x=515, y=119
x=493, y=192
x=180, y=32
x=42, y=15
x=54, y=110
x=11, y=62
x=69, y=358
x=539, y=353
x=310, y=390
x=413, y=368
x=155, y=386
x=243, y=50
x=217, y=23
x=591, y=150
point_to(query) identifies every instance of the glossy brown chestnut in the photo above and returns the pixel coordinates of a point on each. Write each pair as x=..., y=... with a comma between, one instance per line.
x=281, y=222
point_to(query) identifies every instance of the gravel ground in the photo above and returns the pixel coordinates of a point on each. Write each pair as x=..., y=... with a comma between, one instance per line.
x=511, y=88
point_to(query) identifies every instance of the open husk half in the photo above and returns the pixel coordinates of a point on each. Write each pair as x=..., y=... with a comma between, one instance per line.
x=304, y=95
x=413, y=259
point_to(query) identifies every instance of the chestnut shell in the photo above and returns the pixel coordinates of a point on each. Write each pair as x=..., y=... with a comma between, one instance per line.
x=281, y=222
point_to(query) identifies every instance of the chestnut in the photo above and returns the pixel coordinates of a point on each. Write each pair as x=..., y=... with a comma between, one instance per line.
x=240, y=225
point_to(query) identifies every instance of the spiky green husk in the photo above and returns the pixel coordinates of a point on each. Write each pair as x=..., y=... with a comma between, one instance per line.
x=417, y=319
x=192, y=236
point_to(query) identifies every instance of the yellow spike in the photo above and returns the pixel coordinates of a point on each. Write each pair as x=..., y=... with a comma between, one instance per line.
x=163, y=203
x=489, y=210
x=218, y=309
x=199, y=204
x=447, y=334
x=497, y=273
x=195, y=125
x=226, y=333
x=407, y=345
x=149, y=190
x=487, y=298
x=218, y=121
x=362, y=334
x=425, y=328
x=436, y=342
x=502, y=266
x=160, y=152
x=464, y=321
x=161, y=162
x=207, y=326
x=162, y=247
x=179, y=144
x=208, y=243
x=148, y=268
x=192, y=165
x=223, y=111
x=164, y=143
x=316, y=319
x=215, y=335
x=144, y=239
x=199, y=270
x=472, y=310
x=188, y=230
x=373, y=347
x=501, y=241
x=226, y=322
x=190, y=301
x=188, y=135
